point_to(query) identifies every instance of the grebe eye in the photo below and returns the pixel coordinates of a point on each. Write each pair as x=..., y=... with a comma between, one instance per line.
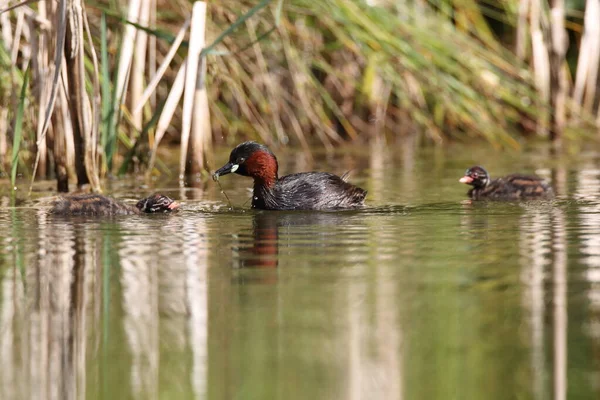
x=241, y=160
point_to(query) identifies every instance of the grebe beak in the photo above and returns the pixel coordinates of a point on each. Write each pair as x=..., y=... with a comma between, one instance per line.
x=173, y=206
x=466, y=179
x=228, y=168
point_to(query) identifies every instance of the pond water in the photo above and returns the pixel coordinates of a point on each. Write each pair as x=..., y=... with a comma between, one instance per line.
x=422, y=295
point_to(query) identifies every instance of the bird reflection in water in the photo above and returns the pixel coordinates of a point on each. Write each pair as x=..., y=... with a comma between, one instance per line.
x=258, y=251
x=260, y=248
x=264, y=242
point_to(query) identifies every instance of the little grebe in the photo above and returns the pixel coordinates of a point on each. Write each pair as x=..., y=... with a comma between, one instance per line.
x=303, y=191
x=511, y=187
x=96, y=204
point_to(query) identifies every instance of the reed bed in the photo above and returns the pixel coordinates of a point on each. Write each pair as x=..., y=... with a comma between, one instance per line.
x=91, y=88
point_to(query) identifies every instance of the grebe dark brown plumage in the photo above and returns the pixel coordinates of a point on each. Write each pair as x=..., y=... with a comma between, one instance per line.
x=96, y=204
x=510, y=187
x=302, y=191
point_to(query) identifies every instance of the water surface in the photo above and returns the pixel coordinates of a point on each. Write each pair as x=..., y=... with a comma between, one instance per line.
x=422, y=295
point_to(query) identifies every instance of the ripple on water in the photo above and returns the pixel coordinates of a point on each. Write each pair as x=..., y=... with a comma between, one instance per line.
x=329, y=296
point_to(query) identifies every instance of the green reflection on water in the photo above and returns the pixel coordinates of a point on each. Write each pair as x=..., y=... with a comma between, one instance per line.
x=421, y=295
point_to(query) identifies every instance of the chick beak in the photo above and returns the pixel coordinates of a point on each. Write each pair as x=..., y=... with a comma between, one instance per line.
x=466, y=179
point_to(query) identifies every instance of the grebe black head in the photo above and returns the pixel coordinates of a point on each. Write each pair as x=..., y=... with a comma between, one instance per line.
x=476, y=176
x=251, y=159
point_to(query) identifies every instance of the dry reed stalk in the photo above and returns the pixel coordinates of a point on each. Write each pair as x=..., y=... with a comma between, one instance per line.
x=58, y=12
x=16, y=44
x=588, y=62
x=26, y=48
x=589, y=53
x=201, y=139
x=157, y=76
x=78, y=100
x=7, y=36
x=378, y=93
x=57, y=141
x=40, y=76
x=36, y=16
x=67, y=128
x=592, y=29
x=558, y=79
x=381, y=110
x=193, y=84
x=152, y=51
x=42, y=72
x=39, y=59
x=167, y=114
x=92, y=158
x=138, y=67
x=6, y=32
x=583, y=66
x=541, y=64
x=521, y=45
x=126, y=54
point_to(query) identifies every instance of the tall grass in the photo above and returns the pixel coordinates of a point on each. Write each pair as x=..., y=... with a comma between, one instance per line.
x=285, y=71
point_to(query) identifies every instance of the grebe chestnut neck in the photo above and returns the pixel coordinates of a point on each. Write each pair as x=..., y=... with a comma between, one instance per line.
x=510, y=187
x=96, y=204
x=302, y=191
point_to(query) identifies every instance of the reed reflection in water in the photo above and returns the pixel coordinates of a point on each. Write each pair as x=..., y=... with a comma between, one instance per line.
x=95, y=304
x=440, y=300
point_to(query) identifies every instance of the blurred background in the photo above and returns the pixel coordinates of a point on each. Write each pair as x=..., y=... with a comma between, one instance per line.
x=95, y=89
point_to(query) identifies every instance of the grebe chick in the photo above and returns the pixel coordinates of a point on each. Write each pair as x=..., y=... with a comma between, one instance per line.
x=510, y=187
x=97, y=204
